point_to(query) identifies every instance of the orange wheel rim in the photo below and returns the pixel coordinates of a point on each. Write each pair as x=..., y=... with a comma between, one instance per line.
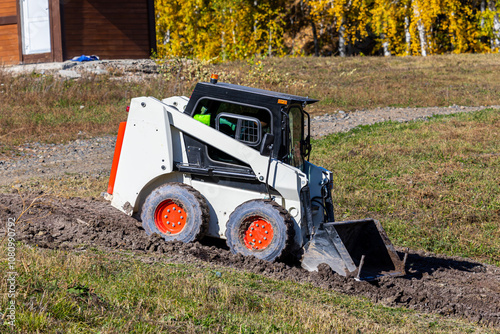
x=259, y=234
x=170, y=218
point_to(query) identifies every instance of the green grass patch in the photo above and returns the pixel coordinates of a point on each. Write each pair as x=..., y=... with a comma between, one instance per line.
x=95, y=292
x=434, y=185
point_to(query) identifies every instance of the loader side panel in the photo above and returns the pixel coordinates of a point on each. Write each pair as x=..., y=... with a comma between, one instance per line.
x=146, y=152
x=223, y=200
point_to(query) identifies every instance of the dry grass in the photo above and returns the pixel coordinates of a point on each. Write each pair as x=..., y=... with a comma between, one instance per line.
x=69, y=185
x=91, y=291
x=368, y=82
x=43, y=107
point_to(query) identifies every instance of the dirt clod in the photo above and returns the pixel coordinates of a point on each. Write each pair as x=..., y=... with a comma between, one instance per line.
x=448, y=286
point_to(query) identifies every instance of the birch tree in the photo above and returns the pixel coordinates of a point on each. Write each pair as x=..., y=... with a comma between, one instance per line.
x=384, y=21
x=417, y=14
x=495, y=36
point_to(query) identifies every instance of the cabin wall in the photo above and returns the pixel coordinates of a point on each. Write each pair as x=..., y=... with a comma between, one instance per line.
x=109, y=29
x=9, y=33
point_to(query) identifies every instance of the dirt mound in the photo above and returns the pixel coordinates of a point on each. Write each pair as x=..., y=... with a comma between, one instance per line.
x=448, y=286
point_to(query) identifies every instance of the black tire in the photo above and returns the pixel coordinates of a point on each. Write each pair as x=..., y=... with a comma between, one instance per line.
x=249, y=214
x=184, y=204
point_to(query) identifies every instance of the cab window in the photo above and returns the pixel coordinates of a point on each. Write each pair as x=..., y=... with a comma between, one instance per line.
x=243, y=128
x=296, y=125
x=208, y=110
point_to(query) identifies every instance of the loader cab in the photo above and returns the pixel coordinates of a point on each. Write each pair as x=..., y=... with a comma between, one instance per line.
x=247, y=115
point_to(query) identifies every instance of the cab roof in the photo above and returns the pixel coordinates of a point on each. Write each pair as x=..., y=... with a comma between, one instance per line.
x=257, y=91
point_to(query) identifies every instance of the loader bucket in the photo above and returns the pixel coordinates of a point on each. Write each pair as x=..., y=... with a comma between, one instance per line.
x=355, y=248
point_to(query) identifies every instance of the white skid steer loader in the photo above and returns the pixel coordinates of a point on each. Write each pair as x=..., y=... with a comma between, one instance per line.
x=232, y=162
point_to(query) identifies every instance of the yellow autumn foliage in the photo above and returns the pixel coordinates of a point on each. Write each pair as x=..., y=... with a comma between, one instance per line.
x=220, y=29
x=241, y=29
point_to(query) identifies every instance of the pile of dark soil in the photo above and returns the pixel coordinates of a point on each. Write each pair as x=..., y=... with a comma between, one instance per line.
x=448, y=286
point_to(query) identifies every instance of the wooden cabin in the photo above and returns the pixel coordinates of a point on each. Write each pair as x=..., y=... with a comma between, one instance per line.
x=33, y=31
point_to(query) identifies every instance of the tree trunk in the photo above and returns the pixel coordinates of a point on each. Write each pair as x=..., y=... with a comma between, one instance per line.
x=223, y=41
x=166, y=39
x=255, y=28
x=233, y=32
x=495, y=38
x=385, y=45
x=483, y=9
x=407, y=36
x=407, y=32
x=421, y=31
x=315, y=37
x=342, y=38
x=270, y=48
x=496, y=33
x=332, y=33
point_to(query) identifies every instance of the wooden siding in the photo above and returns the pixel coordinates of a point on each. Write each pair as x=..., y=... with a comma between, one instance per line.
x=8, y=8
x=9, y=45
x=110, y=29
x=9, y=41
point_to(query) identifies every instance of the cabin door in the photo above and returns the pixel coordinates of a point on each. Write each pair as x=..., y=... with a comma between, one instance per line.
x=35, y=27
x=40, y=31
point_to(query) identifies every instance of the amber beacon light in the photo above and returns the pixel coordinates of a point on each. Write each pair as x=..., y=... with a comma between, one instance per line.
x=214, y=78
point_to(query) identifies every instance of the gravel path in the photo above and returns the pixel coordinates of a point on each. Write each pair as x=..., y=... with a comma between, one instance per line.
x=342, y=121
x=49, y=160
x=95, y=155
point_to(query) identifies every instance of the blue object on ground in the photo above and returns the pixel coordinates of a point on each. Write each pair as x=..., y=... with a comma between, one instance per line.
x=85, y=58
